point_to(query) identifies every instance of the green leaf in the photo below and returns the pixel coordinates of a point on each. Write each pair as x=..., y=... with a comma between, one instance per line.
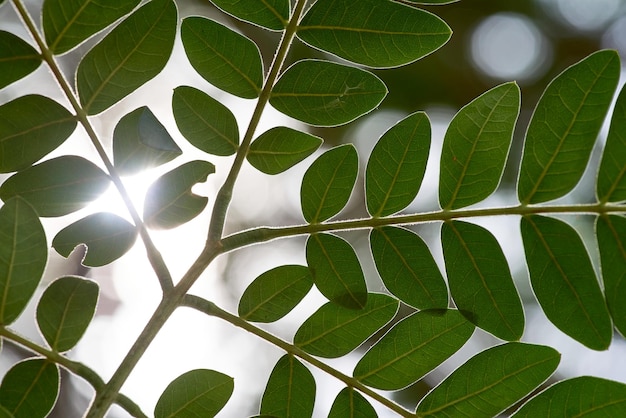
x=412, y=348
x=336, y=270
x=350, y=403
x=431, y=2
x=65, y=311
x=328, y=183
x=23, y=256
x=30, y=388
x=323, y=93
x=476, y=145
x=223, y=57
x=67, y=23
x=140, y=142
x=611, y=232
x=491, y=381
x=583, y=396
x=275, y=293
x=333, y=331
x=480, y=280
x=290, y=390
x=197, y=393
x=31, y=126
x=17, y=58
x=270, y=14
x=281, y=148
x=375, y=33
x=611, y=186
x=206, y=123
x=407, y=268
x=133, y=53
x=564, y=281
x=564, y=127
x=107, y=237
x=58, y=186
x=170, y=202
x=4, y=413
x=396, y=166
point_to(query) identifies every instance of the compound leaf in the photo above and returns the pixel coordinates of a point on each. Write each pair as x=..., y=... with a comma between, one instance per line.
x=290, y=390
x=323, y=93
x=396, y=166
x=17, y=58
x=281, y=148
x=564, y=281
x=30, y=388
x=375, y=33
x=350, y=403
x=476, y=145
x=564, y=127
x=270, y=14
x=611, y=183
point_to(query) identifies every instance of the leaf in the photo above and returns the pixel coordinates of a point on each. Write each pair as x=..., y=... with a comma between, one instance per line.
x=328, y=182
x=581, y=396
x=107, y=237
x=290, y=390
x=58, y=186
x=270, y=14
x=611, y=233
x=480, y=280
x=350, y=403
x=23, y=256
x=412, y=348
x=275, y=293
x=333, y=331
x=197, y=393
x=281, y=148
x=65, y=311
x=336, y=270
x=206, y=123
x=431, y=2
x=564, y=281
x=31, y=126
x=223, y=57
x=407, y=268
x=170, y=201
x=17, y=58
x=611, y=182
x=133, y=53
x=30, y=388
x=323, y=93
x=491, y=381
x=375, y=33
x=396, y=166
x=68, y=23
x=476, y=145
x=564, y=127
x=140, y=142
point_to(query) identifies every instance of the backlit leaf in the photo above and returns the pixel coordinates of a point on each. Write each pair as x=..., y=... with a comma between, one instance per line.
x=275, y=293
x=476, y=145
x=336, y=270
x=564, y=281
x=30, y=388
x=412, y=348
x=407, y=268
x=564, y=127
x=611, y=186
x=270, y=14
x=290, y=390
x=396, y=165
x=334, y=331
x=375, y=33
x=170, y=202
x=328, y=183
x=206, y=123
x=107, y=237
x=17, y=58
x=491, y=381
x=223, y=57
x=480, y=280
x=324, y=93
x=197, y=393
x=58, y=186
x=134, y=52
x=281, y=148
x=65, y=311
x=31, y=126
x=350, y=403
